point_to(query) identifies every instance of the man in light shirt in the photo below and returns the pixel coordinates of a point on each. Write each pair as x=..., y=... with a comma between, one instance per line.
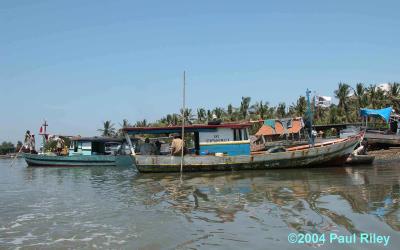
x=177, y=146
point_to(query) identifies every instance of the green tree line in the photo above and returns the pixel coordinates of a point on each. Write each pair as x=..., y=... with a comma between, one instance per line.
x=350, y=100
x=9, y=147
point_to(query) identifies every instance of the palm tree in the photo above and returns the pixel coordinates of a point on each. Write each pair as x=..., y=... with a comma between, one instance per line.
x=301, y=106
x=188, y=115
x=394, y=91
x=142, y=123
x=244, y=106
x=125, y=123
x=380, y=98
x=209, y=115
x=171, y=119
x=394, y=94
x=219, y=112
x=260, y=109
x=333, y=115
x=201, y=115
x=360, y=93
x=342, y=93
x=230, y=113
x=371, y=92
x=281, y=110
x=108, y=129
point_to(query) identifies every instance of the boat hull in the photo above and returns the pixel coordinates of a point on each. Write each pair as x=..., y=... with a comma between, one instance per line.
x=333, y=154
x=382, y=139
x=35, y=160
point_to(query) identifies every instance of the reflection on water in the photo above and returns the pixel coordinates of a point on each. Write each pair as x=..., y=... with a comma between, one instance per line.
x=120, y=208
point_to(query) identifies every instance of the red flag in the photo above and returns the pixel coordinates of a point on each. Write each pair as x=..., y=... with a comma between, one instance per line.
x=41, y=130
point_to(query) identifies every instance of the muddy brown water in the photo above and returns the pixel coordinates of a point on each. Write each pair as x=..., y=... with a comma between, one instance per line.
x=118, y=208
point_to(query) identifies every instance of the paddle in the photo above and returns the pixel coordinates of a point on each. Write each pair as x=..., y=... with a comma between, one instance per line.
x=15, y=157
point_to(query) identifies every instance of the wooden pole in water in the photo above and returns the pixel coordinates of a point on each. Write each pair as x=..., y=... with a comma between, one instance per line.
x=183, y=119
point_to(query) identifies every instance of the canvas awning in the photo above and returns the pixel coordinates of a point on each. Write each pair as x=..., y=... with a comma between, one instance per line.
x=377, y=113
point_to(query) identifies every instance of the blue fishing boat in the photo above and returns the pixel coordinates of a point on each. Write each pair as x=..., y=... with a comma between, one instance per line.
x=86, y=151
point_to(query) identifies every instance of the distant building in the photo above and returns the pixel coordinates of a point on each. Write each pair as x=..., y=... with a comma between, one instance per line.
x=323, y=101
x=383, y=86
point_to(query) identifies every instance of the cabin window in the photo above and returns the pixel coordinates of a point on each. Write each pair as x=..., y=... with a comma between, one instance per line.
x=237, y=134
x=245, y=135
x=86, y=146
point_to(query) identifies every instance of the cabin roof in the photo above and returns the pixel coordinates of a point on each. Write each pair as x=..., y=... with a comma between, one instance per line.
x=97, y=139
x=188, y=128
x=267, y=130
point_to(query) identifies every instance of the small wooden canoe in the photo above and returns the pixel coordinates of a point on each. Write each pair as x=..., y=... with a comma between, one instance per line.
x=360, y=159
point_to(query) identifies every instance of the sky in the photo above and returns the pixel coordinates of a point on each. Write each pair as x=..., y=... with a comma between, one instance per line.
x=79, y=63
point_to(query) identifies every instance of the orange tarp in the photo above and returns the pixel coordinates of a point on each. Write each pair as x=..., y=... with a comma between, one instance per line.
x=279, y=130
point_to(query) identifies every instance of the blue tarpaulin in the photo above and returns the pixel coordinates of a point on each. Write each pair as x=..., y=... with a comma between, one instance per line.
x=270, y=122
x=381, y=113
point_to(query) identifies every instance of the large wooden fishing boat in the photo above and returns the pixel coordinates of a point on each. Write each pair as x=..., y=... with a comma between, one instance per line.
x=227, y=147
x=89, y=151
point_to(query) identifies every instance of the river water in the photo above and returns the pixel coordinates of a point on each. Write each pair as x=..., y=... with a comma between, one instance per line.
x=118, y=208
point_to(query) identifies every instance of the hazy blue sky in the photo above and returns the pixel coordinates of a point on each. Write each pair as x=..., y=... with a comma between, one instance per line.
x=79, y=63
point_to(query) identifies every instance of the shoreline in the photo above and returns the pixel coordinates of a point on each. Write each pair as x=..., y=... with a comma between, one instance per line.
x=392, y=153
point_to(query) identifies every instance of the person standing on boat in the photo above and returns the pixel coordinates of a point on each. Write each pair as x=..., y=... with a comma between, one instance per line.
x=27, y=140
x=59, y=145
x=177, y=146
x=146, y=148
x=32, y=147
x=157, y=145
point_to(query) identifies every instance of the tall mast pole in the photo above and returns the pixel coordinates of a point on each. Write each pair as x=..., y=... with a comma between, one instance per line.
x=44, y=135
x=183, y=119
x=309, y=118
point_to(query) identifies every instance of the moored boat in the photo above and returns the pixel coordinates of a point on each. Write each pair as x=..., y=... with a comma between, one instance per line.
x=227, y=147
x=84, y=151
x=382, y=138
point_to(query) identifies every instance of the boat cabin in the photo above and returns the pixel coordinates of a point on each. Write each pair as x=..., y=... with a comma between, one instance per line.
x=227, y=139
x=94, y=145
